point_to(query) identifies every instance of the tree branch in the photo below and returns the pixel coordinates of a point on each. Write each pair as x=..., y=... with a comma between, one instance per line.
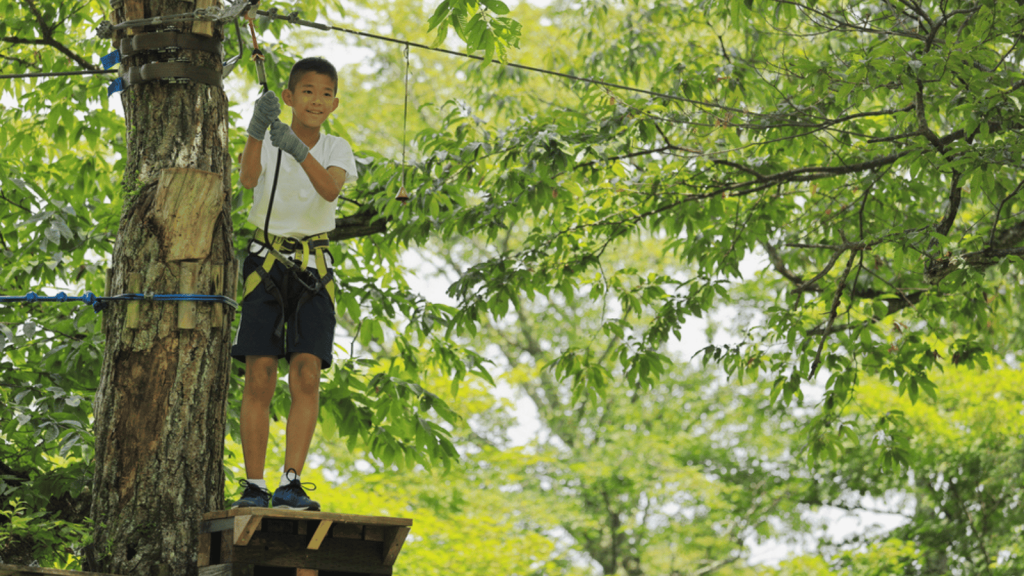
x=357, y=225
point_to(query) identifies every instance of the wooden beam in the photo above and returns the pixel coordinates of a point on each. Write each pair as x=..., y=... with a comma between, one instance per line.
x=394, y=537
x=318, y=537
x=188, y=274
x=11, y=570
x=227, y=570
x=306, y=515
x=201, y=27
x=335, y=554
x=205, y=539
x=217, y=315
x=245, y=527
x=131, y=319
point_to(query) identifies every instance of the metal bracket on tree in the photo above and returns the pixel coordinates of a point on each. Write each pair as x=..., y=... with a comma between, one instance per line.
x=173, y=72
x=168, y=41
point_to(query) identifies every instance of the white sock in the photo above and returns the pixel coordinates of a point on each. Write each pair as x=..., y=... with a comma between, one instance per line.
x=257, y=482
x=286, y=480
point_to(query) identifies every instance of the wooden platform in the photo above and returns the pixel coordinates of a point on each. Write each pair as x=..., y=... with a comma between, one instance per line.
x=268, y=542
x=8, y=570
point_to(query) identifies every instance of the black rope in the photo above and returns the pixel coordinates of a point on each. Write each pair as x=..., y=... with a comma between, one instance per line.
x=54, y=74
x=405, y=109
x=293, y=19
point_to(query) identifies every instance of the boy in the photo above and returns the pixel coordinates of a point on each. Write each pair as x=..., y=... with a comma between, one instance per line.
x=288, y=311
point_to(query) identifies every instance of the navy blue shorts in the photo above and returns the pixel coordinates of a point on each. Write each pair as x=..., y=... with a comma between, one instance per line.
x=307, y=328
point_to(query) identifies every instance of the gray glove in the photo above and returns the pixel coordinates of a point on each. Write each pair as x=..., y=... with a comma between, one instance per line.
x=281, y=135
x=267, y=111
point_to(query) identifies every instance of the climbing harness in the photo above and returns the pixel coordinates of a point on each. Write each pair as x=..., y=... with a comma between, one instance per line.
x=99, y=303
x=279, y=248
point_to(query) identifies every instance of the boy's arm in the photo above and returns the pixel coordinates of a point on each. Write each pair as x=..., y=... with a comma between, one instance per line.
x=326, y=182
x=267, y=110
x=251, y=165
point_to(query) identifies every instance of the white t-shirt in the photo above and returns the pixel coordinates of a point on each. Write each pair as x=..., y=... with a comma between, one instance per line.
x=298, y=210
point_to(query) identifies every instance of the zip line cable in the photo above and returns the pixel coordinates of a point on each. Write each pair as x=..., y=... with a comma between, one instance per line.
x=295, y=20
x=232, y=11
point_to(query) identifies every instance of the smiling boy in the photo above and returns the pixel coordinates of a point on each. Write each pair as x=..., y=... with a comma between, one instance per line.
x=288, y=311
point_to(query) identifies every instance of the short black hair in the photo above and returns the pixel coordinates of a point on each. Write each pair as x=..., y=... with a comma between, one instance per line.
x=313, y=64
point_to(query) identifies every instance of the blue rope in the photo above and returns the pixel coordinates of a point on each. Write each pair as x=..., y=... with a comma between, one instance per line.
x=98, y=303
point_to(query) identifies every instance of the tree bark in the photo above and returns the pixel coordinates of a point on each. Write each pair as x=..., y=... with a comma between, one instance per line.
x=161, y=403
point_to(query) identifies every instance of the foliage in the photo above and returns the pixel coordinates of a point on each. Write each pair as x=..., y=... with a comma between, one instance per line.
x=960, y=503
x=868, y=153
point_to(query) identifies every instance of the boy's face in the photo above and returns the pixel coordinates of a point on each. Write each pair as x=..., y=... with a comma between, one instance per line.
x=312, y=101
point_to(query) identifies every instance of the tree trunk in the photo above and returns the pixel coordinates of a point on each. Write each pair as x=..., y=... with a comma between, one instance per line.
x=161, y=402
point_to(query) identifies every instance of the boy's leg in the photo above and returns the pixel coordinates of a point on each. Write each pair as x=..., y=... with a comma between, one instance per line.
x=304, y=381
x=260, y=381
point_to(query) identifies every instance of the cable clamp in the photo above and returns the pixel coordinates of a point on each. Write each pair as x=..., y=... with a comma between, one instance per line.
x=105, y=30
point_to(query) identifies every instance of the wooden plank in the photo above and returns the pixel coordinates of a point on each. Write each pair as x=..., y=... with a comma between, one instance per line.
x=306, y=515
x=374, y=533
x=334, y=554
x=219, y=525
x=131, y=319
x=12, y=570
x=188, y=276
x=186, y=209
x=350, y=531
x=200, y=27
x=319, y=535
x=217, y=315
x=245, y=527
x=204, y=549
x=394, y=537
x=227, y=570
x=134, y=10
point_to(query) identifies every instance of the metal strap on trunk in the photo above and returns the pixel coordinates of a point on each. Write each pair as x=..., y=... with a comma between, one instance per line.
x=173, y=71
x=163, y=41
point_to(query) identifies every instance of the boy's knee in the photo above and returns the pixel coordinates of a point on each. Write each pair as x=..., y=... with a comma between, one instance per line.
x=260, y=374
x=305, y=374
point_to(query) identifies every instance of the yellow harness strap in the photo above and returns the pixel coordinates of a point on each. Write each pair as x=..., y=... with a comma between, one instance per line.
x=285, y=246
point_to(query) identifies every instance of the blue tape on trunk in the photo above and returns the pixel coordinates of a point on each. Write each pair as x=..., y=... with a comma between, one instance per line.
x=111, y=59
x=115, y=86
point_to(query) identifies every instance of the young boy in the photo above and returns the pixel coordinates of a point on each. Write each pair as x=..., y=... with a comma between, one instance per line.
x=288, y=312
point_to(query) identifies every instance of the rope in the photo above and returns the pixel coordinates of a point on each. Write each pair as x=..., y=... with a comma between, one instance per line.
x=212, y=14
x=106, y=29
x=295, y=20
x=99, y=302
x=54, y=74
x=405, y=110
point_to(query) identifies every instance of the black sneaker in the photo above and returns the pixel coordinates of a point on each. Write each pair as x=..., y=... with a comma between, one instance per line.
x=291, y=496
x=253, y=497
